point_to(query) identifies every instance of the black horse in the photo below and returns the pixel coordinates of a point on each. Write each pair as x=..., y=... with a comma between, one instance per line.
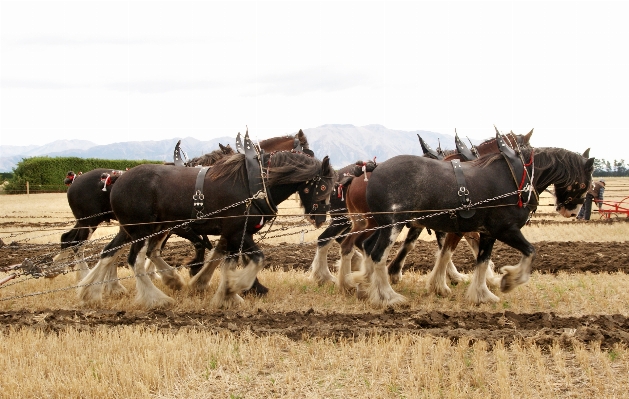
x=342, y=222
x=425, y=193
x=150, y=199
x=88, y=197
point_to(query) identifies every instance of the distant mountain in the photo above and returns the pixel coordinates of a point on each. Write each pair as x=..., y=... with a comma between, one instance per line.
x=344, y=144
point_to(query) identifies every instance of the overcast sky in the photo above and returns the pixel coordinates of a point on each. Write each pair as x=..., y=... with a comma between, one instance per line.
x=118, y=71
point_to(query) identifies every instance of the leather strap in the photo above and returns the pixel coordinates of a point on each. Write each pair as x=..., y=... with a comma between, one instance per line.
x=463, y=192
x=428, y=151
x=463, y=150
x=257, y=190
x=179, y=155
x=239, y=148
x=198, y=199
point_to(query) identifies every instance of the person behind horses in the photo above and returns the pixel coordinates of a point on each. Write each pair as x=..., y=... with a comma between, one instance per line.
x=595, y=193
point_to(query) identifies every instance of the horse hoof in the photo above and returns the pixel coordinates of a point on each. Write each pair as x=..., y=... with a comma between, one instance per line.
x=506, y=283
x=395, y=278
x=154, y=303
x=228, y=302
x=362, y=294
x=257, y=290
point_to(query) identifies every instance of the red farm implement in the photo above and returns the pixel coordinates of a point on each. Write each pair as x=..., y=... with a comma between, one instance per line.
x=614, y=209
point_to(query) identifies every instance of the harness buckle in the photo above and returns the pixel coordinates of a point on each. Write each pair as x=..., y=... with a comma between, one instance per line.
x=198, y=196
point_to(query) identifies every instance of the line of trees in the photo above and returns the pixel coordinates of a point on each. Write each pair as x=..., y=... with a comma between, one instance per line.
x=603, y=167
x=46, y=174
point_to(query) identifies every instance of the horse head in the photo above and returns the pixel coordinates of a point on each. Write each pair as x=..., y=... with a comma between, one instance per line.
x=569, y=197
x=315, y=193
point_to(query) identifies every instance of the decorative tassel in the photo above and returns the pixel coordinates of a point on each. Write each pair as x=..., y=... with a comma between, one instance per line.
x=340, y=193
x=259, y=225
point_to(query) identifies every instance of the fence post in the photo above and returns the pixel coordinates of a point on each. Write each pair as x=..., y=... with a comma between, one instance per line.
x=27, y=190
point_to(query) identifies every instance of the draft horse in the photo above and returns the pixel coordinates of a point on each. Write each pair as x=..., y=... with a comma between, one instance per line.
x=448, y=242
x=501, y=193
x=150, y=199
x=352, y=194
x=88, y=197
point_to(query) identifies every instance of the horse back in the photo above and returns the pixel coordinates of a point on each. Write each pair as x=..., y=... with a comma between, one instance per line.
x=86, y=197
x=414, y=183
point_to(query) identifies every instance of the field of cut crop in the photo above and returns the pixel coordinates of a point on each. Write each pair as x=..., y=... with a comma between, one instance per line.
x=563, y=334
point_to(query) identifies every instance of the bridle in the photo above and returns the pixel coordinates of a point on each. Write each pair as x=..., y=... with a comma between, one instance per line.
x=309, y=189
x=571, y=200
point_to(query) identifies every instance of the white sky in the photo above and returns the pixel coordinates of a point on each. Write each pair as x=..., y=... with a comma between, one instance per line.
x=118, y=71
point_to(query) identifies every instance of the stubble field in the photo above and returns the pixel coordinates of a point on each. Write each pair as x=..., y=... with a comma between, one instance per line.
x=563, y=334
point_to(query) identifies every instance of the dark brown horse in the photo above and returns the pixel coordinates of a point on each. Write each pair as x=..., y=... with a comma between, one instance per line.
x=88, y=197
x=450, y=241
x=149, y=200
x=503, y=191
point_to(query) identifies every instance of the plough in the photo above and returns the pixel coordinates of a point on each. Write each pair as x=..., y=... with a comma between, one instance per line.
x=614, y=208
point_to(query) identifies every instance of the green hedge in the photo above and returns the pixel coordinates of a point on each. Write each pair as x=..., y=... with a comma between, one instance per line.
x=46, y=174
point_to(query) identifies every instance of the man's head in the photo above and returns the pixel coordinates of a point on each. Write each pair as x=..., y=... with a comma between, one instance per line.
x=602, y=181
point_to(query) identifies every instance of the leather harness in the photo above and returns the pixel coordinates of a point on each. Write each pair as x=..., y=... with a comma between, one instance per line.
x=463, y=192
x=180, y=158
x=198, y=197
x=463, y=150
x=257, y=187
x=428, y=151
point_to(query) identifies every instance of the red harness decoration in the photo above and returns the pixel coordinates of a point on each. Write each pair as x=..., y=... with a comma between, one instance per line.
x=523, y=180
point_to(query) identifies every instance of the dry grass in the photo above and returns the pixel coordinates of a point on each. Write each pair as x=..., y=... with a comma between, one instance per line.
x=564, y=294
x=140, y=362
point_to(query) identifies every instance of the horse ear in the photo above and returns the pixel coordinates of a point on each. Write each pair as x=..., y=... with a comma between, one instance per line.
x=497, y=132
x=589, y=164
x=300, y=133
x=527, y=137
x=586, y=154
x=325, y=166
x=222, y=147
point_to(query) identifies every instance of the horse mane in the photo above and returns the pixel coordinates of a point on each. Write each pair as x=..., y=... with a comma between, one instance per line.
x=208, y=159
x=282, y=167
x=571, y=169
x=232, y=166
x=546, y=158
x=288, y=167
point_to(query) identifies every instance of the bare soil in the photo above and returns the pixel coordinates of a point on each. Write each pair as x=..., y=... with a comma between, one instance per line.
x=541, y=328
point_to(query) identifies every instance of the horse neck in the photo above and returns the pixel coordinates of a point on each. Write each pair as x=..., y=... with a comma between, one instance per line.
x=487, y=147
x=491, y=146
x=547, y=172
x=277, y=144
x=282, y=192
